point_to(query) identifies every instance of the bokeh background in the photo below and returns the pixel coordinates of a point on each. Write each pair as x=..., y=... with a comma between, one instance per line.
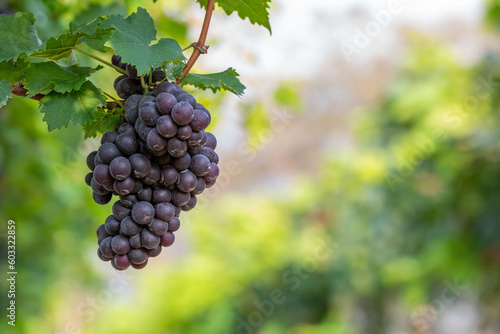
x=358, y=194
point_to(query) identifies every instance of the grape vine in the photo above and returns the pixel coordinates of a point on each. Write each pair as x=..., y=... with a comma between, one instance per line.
x=155, y=152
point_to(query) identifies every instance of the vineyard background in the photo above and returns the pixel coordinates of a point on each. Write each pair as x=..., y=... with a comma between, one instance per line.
x=356, y=196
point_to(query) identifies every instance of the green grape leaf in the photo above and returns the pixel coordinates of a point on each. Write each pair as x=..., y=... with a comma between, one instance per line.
x=174, y=70
x=104, y=120
x=57, y=48
x=49, y=75
x=62, y=47
x=132, y=41
x=257, y=11
x=76, y=107
x=5, y=92
x=227, y=80
x=13, y=71
x=17, y=35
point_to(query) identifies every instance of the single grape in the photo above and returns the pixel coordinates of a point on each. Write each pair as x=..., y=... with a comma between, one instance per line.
x=210, y=154
x=127, y=87
x=193, y=151
x=200, y=187
x=164, y=211
x=131, y=108
x=120, y=211
x=126, y=128
x=101, y=234
x=102, y=257
x=143, y=129
x=143, y=212
x=103, y=177
x=155, y=141
x=98, y=189
x=120, y=244
x=135, y=241
x=200, y=120
x=105, y=247
x=180, y=198
x=166, y=87
x=141, y=165
x=191, y=204
x=148, y=239
x=117, y=80
x=174, y=224
x=108, y=137
x=182, y=163
x=88, y=178
x=167, y=239
x=112, y=225
x=91, y=160
x=182, y=113
x=212, y=174
x=186, y=97
x=211, y=141
x=155, y=251
x=184, y=132
x=166, y=126
x=177, y=211
x=158, y=227
x=145, y=99
x=195, y=139
x=145, y=194
x=169, y=175
x=187, y=181
x=102, y=199
x=120, y=168
x=149, y=114
x=165, y=102
x=129, y=200
x=158, y=75
x=124, y=187
x=138, y=256
x=210, y=183
x=128, y=227
x=121, y=261
x=139, y=266
x=200, y=165
x=107, y=152
x=176, y=147
x=161, y=195
x=153, y=175
x=138, y=186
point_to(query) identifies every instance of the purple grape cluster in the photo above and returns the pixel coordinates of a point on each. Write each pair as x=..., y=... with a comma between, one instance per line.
x=157, y=162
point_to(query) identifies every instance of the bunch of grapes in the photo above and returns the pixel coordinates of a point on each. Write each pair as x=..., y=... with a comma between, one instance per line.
x=157, y=162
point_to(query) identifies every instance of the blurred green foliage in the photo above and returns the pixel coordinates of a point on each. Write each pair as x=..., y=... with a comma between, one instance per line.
x=408, y=217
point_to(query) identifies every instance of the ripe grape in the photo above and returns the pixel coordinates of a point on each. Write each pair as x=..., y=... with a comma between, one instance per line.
x=182, y=113
x=143, y=212
x=120, y=168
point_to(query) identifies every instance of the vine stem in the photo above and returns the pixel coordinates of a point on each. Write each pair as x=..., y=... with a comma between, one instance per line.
x=199, y=47
x=19, y=90
x=112, y=98
x=101, y=60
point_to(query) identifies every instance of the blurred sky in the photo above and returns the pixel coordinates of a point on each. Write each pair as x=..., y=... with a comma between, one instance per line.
x=305, y=47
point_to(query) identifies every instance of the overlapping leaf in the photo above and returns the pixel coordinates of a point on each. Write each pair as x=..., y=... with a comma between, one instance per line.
x=13, y=71
x=257, y=11
x=48, y=75
x=76, y=107
x=62, y=47
x=104, y=120
x=5, y=92
x=132, y=41
x=227, y=80
x=25, y=38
